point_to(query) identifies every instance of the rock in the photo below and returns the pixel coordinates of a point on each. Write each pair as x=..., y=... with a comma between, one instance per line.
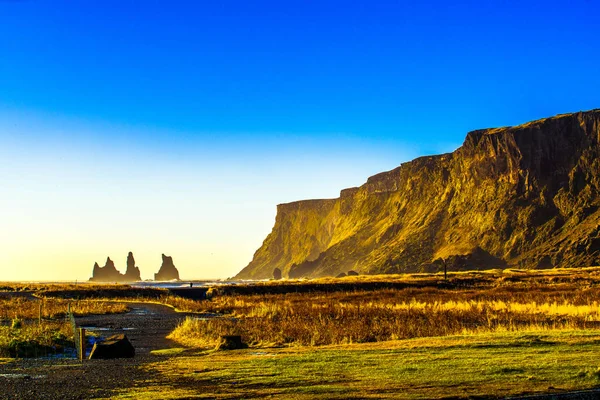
x=341, y=275
x=353, y=273
x=524, y=197
x=300, y=270
x=116, y=346
x=167, y=271
x=132, y=273
x=108, y=273
x=277, y=274
x=231, y=342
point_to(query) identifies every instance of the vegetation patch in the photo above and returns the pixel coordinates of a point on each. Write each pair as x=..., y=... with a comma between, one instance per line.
x=33, y=340
x=316, y=319
x=15, y=308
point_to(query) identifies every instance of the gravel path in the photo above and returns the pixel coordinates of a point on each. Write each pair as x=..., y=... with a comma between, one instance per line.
x=146, y=326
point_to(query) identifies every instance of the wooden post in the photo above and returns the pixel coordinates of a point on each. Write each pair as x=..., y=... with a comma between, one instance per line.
x=40, y=312
x=81, y=349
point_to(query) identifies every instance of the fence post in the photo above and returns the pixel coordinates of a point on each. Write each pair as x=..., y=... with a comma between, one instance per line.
x=76, y=332
x=40, y=312
x=81, y=349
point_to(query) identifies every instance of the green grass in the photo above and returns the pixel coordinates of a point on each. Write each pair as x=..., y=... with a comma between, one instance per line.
x=169, y=352
x=495, y=365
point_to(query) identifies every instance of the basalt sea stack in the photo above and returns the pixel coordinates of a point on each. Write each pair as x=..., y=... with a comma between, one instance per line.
x=132, y=273
x=167, y=270
x=109, y=272
x=525, y=196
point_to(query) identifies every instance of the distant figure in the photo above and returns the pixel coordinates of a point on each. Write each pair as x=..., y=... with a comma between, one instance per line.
x=191, y=284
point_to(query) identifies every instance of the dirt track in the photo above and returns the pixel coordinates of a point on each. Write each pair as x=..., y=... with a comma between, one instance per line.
x=147, y=326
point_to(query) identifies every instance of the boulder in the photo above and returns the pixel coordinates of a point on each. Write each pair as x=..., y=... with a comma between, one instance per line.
x=352, y=273
x=116, y=346
x=277, y=274
x=167, y=271
x=341, y=275
x=231, y=342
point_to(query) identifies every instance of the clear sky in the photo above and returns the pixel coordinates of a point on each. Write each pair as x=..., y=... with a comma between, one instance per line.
x=176, y=127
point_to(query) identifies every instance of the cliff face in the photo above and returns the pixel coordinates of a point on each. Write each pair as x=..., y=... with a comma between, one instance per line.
x=524, y=196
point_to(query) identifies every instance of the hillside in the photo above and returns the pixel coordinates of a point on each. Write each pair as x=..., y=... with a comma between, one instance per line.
x=524, y=196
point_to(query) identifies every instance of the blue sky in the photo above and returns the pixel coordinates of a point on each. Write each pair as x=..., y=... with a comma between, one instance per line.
x=177, y=126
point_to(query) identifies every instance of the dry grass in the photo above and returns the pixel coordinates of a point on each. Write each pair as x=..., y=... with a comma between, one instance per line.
x=82, y=296
x=27, y=308
x=467, y=303
x=49, y=286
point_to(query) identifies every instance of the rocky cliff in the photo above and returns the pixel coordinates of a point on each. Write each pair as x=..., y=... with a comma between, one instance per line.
x=524, y=196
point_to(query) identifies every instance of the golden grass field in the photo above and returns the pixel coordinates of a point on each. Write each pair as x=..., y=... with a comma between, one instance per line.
x=467, y=303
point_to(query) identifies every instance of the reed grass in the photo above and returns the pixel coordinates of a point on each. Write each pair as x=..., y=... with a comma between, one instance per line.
x=316, y=319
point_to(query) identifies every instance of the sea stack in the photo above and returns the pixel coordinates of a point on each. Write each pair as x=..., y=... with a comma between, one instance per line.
x=108, y=273
x=167, y=271
x=133, y=273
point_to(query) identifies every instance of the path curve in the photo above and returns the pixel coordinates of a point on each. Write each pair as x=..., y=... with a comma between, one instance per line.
x=146, y=325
